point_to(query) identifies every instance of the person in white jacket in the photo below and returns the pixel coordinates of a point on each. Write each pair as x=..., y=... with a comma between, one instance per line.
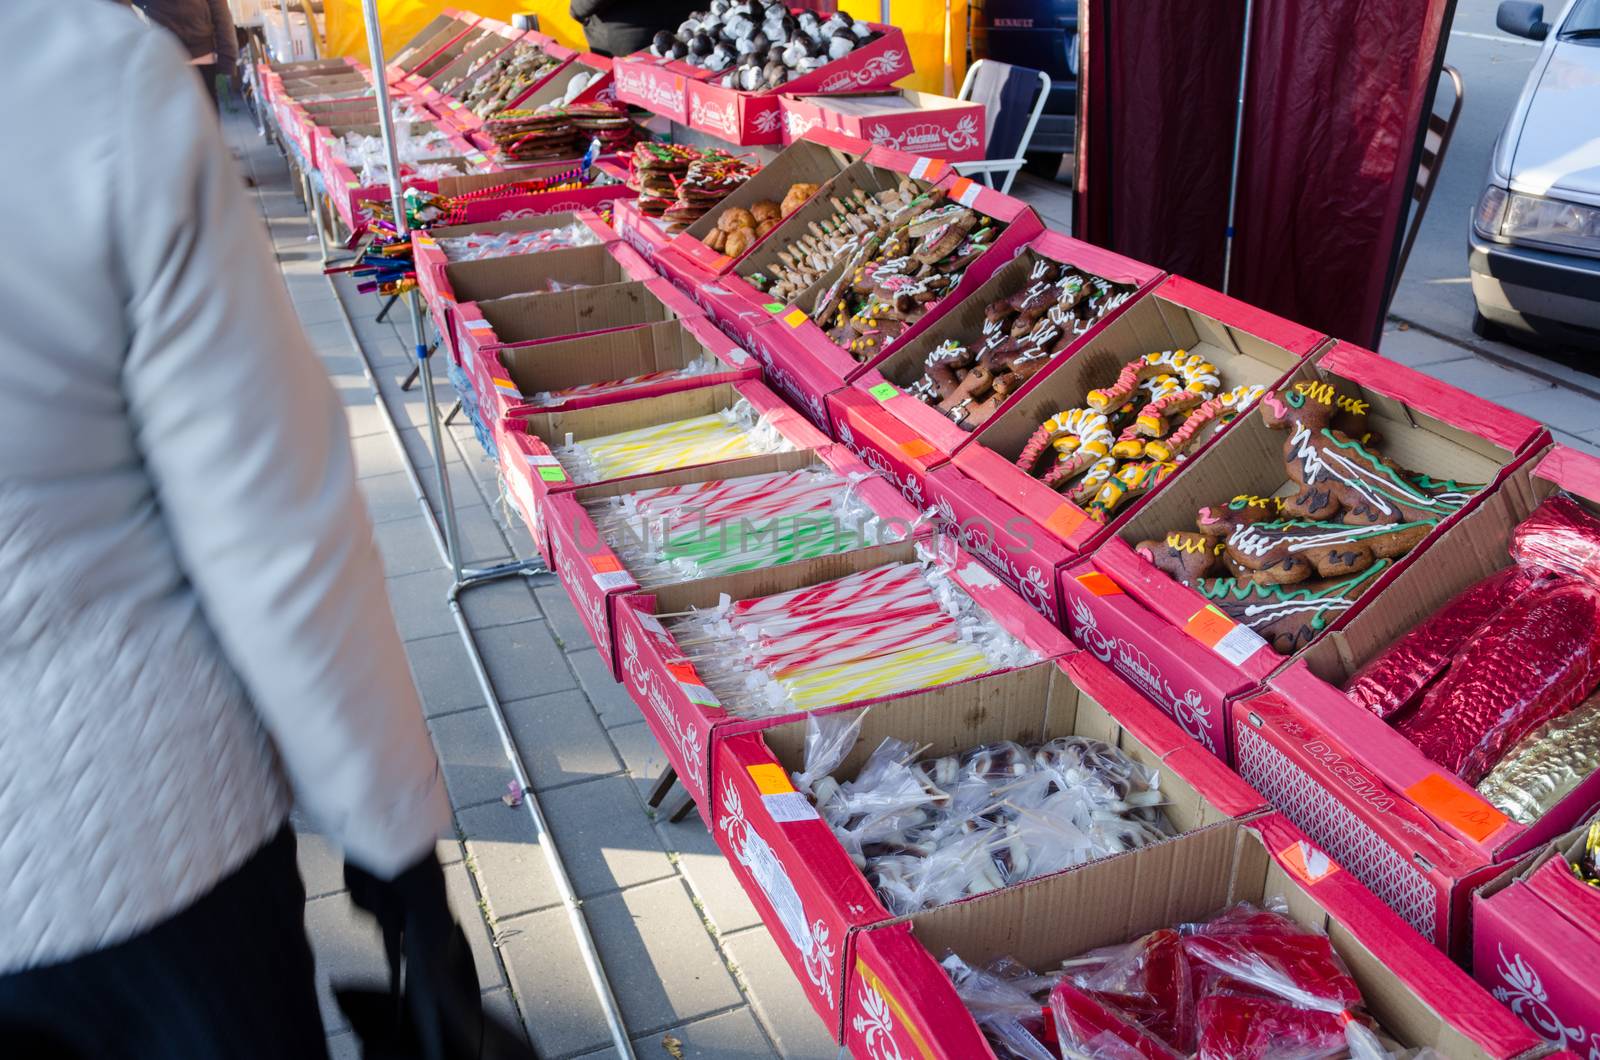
x=194, y=629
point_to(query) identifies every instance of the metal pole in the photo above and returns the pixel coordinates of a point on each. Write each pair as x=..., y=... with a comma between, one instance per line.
x=546, y=841
x=1238, y=141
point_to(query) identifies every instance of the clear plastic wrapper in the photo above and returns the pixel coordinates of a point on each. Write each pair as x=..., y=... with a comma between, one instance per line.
x=723, y=435
x=699, y=530
x=1004, y=1002
x=876, y=633
x=477, y=246
x=370, y=159
x=1559, y=536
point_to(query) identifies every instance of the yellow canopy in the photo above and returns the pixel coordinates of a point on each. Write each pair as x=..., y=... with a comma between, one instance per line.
x=938, y=45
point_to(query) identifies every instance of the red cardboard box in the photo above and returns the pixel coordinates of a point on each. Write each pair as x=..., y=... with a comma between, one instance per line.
x=1370, y=748
x=1169, y=640
x=431, y=259
x=505, y=378
x=533, y=472
x=901, y=1002
x=918, y=123
x=798, y=354
x=1532, y=932
x=479, y=281
x=596, y=577
x=683, y=713
x=814, y=900
x=816, y=160
x=875, y=414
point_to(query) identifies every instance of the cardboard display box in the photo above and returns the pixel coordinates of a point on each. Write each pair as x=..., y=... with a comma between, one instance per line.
x=505, y=377
x=443, y=30
x=814, y=160
x=1322, y=757
x=533, y=472
x=647, y=235
x=344, y=188
x=598, y=87
x=804, y=884
x=452, y=108
x=901, y=1003
x=1532, y=932
x=596, y=578
x=693, y=97
x=1167, y=639
x=479, y=281
x=431, y=259
x=512, y=200
x=797, y=352
x=448, y=82
x=918, y=123
x=912, y=438
x=428, y=68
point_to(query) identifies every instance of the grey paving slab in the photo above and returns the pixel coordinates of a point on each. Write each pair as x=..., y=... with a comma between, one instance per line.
x=321, y=862
x=641, y=754
x=559, y=1007
x=560, y=739
x=499, y=603
x=348, y=948
x=717, y=890
x=611, y=701
x=361, y=411
x=376, y=454
x=523, y=660
x=330, y=335
x=603, y=835
x=1416, y=348
x=499, y=1004
x=1562, y=409
x=406, y=546
x=663, y=966
x=504, y=854
x=559, y=611
x=389, y=496
x=1477, y=376
x=777, y=998
x=464, y=903
x=313, y=311
x=474, y=762
x=1583, y=443
x=443, y=674
x=419, y=606
x=727, y=1036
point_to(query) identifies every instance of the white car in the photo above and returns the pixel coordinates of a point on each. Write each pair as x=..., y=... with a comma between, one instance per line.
x=1535, y=241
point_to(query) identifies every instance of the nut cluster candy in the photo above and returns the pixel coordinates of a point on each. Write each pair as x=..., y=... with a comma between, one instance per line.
x=758, y=45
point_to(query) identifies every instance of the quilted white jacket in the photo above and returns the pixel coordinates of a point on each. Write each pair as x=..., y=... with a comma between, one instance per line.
x=193, y=621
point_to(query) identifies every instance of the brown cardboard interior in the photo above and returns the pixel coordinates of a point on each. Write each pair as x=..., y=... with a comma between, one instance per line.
x=1040, y=922
x=525, y=317
x=436, y=63
x=449, y=79
x=662, y=347
x=364, y=110
x=354, y=86
x=1468, y=552
x=1030, y=706
x=308, y=66
x=427, y=41
x=868, y=178
x=373, y=129
x=553, y=428
x=519, y=224
x=1249, y=459
x=1149, y=325
x=478, y=281
x=554, y=88
x=801, y=162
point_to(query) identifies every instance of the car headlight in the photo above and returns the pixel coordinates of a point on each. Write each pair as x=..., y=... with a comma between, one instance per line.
x=1535, y=219
x=1491, y=209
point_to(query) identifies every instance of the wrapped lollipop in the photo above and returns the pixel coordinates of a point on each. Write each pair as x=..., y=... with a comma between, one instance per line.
x=723, y=435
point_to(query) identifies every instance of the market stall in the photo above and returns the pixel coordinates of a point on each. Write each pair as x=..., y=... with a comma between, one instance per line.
x=991, y=593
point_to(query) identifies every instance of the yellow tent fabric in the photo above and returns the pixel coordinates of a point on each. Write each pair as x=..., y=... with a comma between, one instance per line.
x=937, y=39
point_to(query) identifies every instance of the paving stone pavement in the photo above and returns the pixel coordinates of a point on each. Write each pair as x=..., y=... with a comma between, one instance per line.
x=688, y=956
x=662, y=905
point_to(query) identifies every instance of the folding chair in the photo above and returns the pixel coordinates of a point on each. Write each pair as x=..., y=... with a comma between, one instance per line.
x=1013, y=97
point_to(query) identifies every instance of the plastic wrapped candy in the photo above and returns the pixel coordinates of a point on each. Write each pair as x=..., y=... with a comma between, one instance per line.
x=1003, y=1000
x=1546, y=765
x=1559, y=536
x=477, y=246
x=1537, y=659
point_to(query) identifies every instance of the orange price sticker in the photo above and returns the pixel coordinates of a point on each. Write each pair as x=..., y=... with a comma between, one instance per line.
x=770, y=779
x=916, y=448
x=1099, y=584
x=1064, y=520
x=605, y=564
x=1311, y=865
x=1456, y=806
x=684, y=673
x=795, y=317
x=1208, y=626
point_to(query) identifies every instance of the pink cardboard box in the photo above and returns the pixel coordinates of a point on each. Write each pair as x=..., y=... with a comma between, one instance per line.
x=445, y=29
x=1468, y=551
x=1177, y=647
x=918, y=123
x=505, y=378
x=1532, y=933
x=431, y=259
x=901, y=1003
x=1248, y=347
x=799, y=350
x=596, y=577
x=479, y=281
x=446, y=85
x=532, y=471
x=647, y=235
x=874, y=413
x=506, y=194
x=424, y=71
x=816, y=902
x=456, y=111
x=345, y=190
x=816, y=159
x=659, y=85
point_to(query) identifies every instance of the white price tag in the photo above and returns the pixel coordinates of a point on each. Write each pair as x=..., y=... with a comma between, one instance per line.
x=969, y=194
x=1238, y=644
x=651, y=624
x=614, y=579
x=789, y=807
x=543, y=460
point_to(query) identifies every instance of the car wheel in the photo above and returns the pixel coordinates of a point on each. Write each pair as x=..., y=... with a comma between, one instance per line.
x=1485, y=328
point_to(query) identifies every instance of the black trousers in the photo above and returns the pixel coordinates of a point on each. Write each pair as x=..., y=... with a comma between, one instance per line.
x=231, y=976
